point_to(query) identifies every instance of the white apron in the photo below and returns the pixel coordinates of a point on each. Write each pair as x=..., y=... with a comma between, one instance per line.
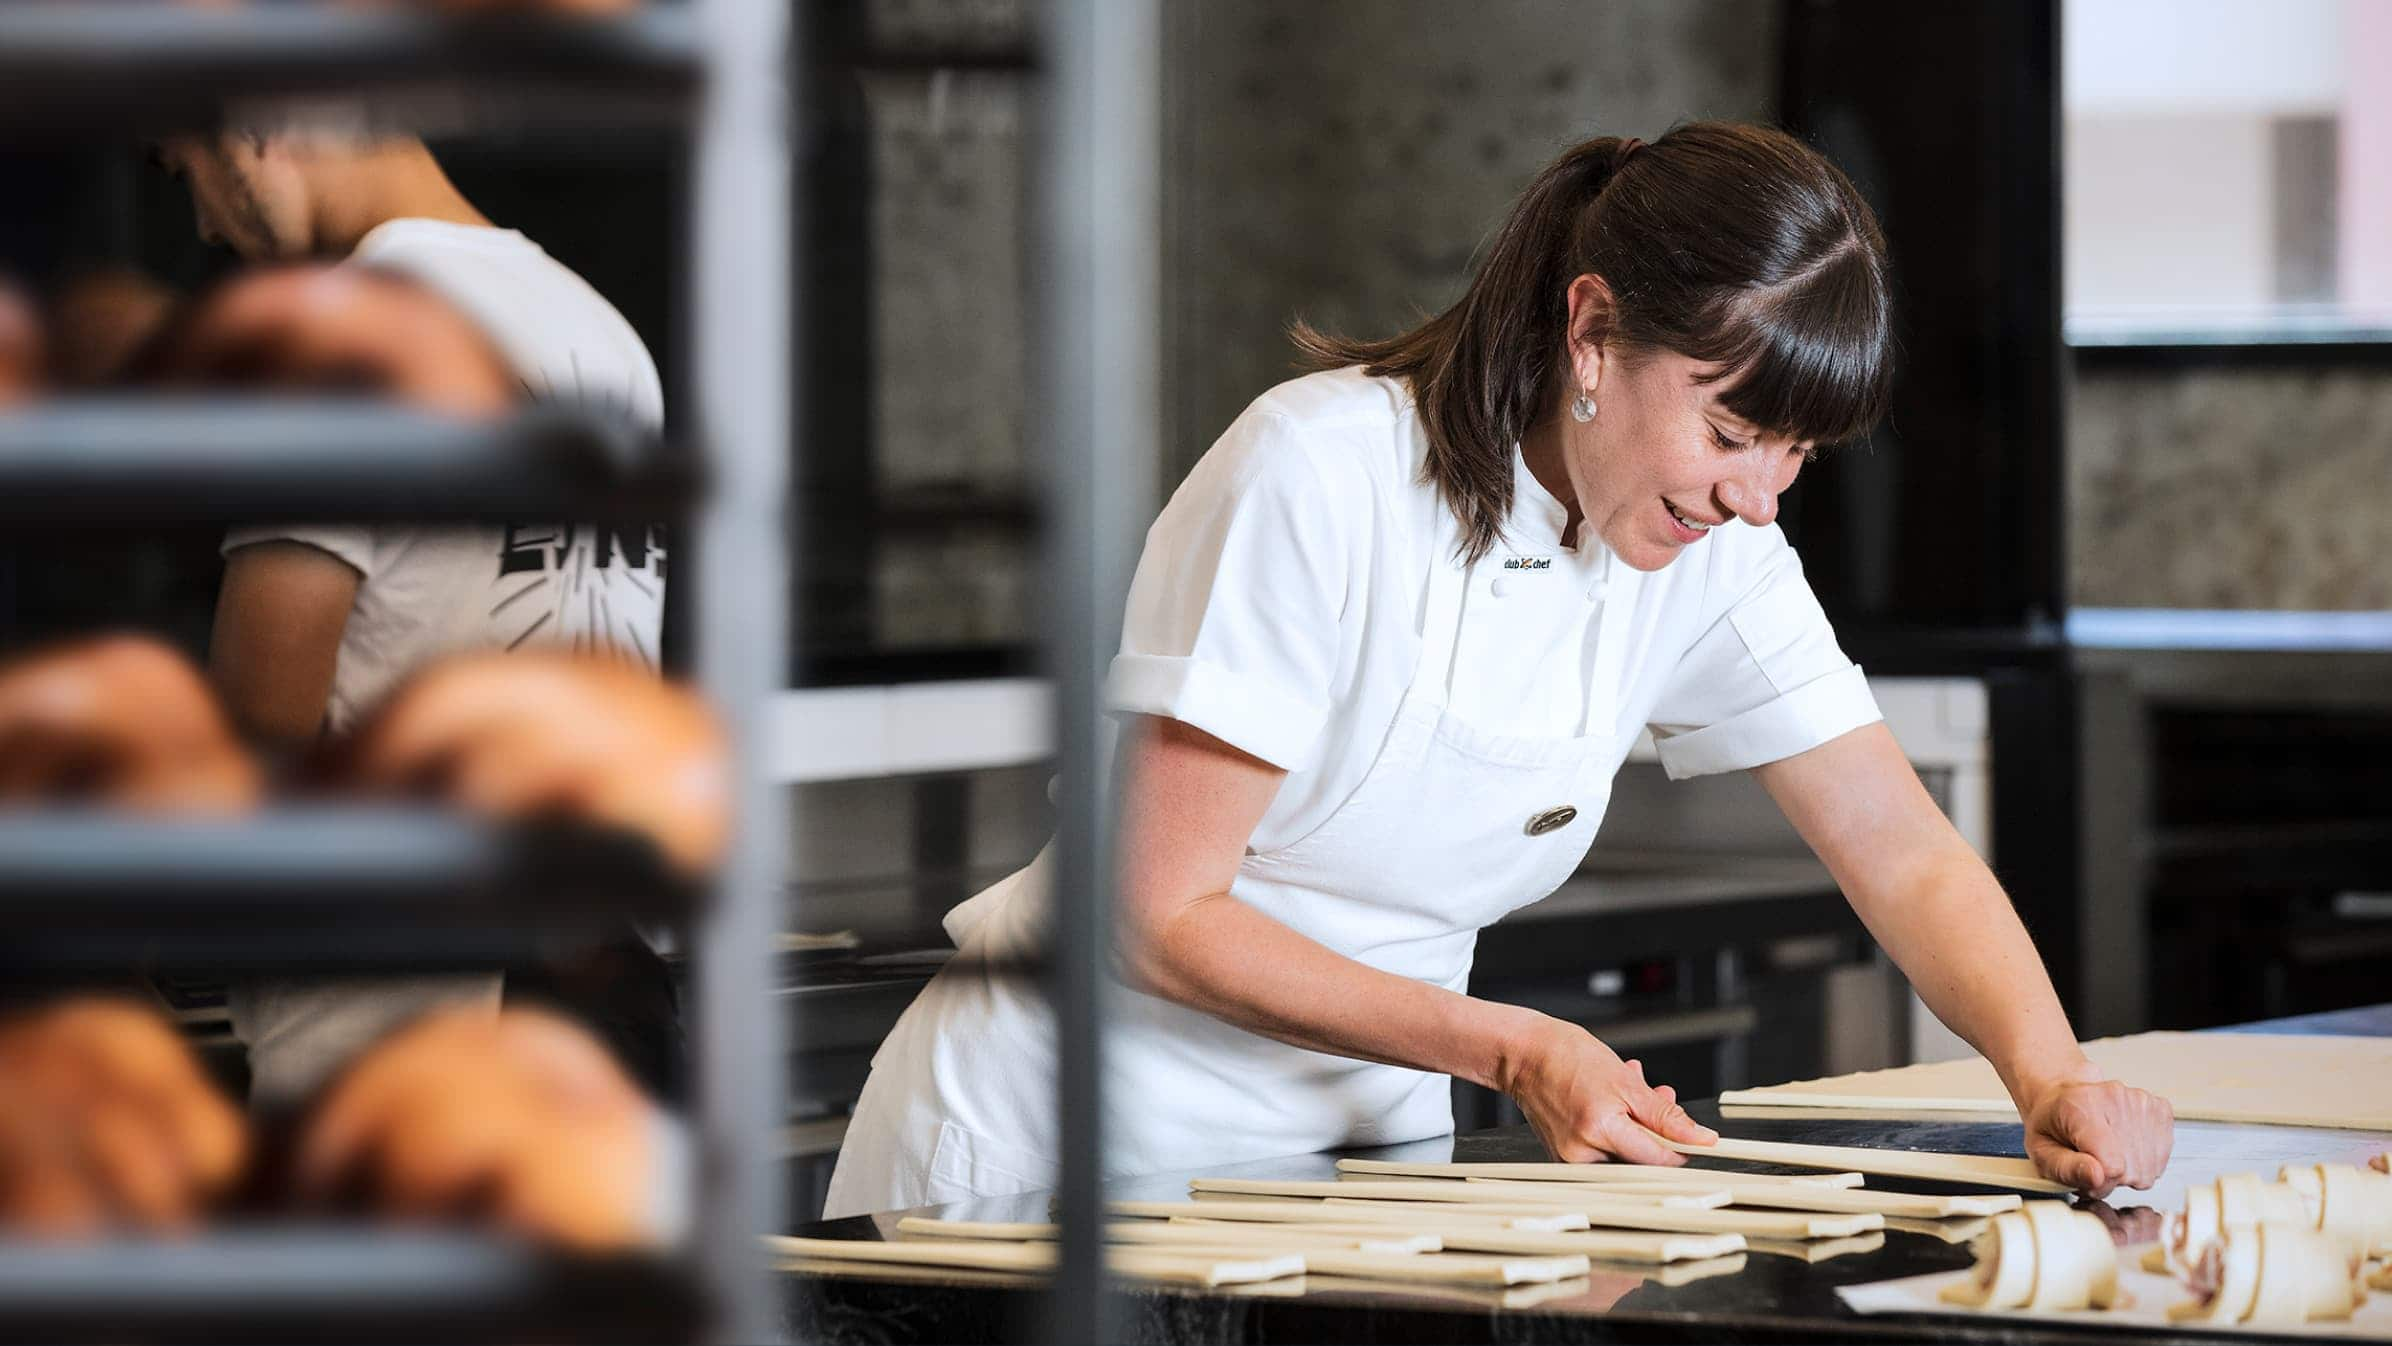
x=1435, y=843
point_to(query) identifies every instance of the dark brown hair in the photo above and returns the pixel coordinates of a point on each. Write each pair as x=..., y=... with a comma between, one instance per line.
x=1729, y=244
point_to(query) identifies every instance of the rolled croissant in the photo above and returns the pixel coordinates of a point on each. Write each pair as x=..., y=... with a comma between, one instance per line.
x=2244, y=1199
x=2382, y=1163
x=2041, y=1256
x=2238, y=1199
x=2274, y=1275
x=2346, y=1203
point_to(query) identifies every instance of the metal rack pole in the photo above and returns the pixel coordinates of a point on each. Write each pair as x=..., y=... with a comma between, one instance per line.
x=741, y=333
x=1094, y=286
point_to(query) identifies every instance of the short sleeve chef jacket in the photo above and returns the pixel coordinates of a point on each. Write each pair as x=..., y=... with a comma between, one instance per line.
x=1278, y=607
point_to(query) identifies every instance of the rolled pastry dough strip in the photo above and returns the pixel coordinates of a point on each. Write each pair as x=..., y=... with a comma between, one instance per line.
x=1142, y=1263
x=1446, y=1268
x=1790, y=1196
x=1012, y=1256
x=1607, y=1245
x=1396, y=1189
x=1984, y=1170
x=1594, y=1173
x=1750, y=1223
x=1248, y=1237
x=2380, y=1278
x=1174, y=1268
x=1818, y=1250
x=1433, y=1219
x=2382, y=1163
x=1962, y=1230
x=984, y=1231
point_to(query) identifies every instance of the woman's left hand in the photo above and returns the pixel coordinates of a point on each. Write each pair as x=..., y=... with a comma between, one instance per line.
x=2097, y=1135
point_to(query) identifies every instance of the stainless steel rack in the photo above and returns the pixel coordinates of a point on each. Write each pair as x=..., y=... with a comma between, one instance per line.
x=173, y=459
x=156, y=66
x=414, y=887
x=317, y=887
x=724, y=69
x=313, y=1284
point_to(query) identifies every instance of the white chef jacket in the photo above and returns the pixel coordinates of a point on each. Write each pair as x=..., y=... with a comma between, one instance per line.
x=1277, y=607
x=1298, y=600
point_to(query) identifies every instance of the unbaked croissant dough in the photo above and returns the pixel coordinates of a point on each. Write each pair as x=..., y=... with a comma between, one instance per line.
x=2346, y=1203
x=2272, y=1275
x=2041, y=1256
x=2233, y=1201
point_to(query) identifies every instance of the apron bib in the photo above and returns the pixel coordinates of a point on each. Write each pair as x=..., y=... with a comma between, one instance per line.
x=1450, y=829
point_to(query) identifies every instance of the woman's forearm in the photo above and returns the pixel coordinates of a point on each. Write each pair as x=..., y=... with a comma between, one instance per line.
x=1226, y=959
x=1930, y=902
x=1952, y=931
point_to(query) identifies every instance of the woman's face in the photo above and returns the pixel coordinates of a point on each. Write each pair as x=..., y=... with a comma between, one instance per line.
x=1663, y=462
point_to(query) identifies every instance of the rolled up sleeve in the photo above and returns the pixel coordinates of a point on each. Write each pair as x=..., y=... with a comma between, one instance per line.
x=1765, y=681
x=1232, y=620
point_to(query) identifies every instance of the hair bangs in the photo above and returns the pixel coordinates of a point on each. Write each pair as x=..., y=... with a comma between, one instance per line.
x=1810, y=359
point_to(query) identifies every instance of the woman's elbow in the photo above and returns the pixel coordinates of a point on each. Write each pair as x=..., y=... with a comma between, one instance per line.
x=1147, y=951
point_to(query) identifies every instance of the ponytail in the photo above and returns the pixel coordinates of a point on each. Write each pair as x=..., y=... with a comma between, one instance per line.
x=1482, y=371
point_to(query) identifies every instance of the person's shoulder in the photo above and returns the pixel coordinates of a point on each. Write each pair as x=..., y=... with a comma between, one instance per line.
x=539, y=312
x=1344, y=398
x=504, y=266
x=1344, y=427
x=435, y=250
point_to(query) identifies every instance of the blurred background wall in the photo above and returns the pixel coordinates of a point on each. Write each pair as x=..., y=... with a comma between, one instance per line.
x=1343, y=162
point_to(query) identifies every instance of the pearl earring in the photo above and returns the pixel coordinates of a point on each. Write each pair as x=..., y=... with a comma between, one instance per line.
x=1582, y=407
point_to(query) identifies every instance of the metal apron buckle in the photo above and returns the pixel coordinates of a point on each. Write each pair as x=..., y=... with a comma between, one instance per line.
x=1552, y=820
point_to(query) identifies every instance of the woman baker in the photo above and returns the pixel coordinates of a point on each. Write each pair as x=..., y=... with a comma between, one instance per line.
x=1385, y=650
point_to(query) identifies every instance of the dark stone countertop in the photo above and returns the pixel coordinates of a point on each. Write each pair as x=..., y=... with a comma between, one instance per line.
x=1766, y=1294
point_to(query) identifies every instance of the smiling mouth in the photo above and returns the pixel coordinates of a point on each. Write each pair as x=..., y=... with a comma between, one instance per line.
x=1690, y=525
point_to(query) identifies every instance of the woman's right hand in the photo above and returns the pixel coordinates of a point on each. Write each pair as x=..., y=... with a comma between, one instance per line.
x=1588, y=1105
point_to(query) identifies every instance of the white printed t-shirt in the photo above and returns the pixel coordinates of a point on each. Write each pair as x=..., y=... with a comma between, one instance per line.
x=424, y=592
x=428, y=591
